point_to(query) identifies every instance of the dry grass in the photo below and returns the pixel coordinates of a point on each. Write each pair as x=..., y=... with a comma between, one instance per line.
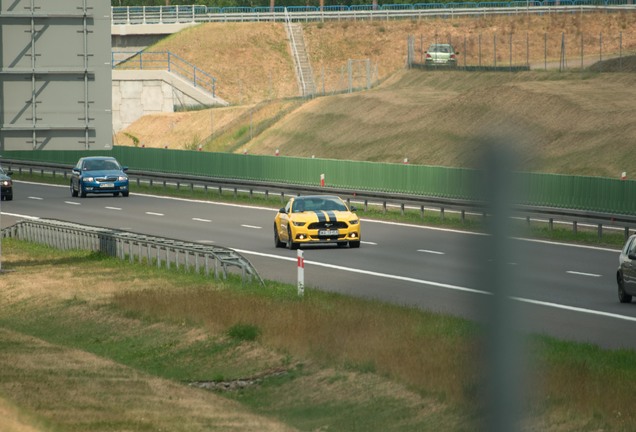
x=365, y=335
x=49, y=384
x=566, y=120
x=353, y=354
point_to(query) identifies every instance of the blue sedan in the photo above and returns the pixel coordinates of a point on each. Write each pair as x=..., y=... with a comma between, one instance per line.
x=99, y=175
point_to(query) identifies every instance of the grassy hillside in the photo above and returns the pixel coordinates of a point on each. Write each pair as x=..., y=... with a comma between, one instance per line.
x=571, y=123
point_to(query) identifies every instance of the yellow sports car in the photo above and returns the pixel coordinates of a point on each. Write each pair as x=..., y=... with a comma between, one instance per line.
x=316, y=219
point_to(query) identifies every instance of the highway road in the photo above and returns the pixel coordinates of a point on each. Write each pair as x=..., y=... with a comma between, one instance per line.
x=565, y=291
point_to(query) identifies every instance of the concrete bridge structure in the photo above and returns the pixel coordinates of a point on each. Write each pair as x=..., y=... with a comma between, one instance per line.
x=139, y=92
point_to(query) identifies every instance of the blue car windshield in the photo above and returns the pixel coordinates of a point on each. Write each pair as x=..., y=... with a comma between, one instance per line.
x=100, y=165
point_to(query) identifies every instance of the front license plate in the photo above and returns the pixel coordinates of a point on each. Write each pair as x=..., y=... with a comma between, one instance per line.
x=107, y=185
x=328, y=232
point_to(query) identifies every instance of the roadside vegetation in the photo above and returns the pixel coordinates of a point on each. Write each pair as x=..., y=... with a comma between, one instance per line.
x=93, y=343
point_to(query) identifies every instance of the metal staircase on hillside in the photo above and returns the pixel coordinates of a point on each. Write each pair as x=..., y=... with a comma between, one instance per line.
x=304, y=73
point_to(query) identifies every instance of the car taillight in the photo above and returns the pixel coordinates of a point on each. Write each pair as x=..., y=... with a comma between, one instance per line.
x=428, y=55
x=452, y=56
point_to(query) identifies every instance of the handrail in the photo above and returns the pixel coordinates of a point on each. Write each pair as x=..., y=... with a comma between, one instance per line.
x=549, y=214
x=164, y=60
x=138, y=15
x=127, y=245
x=290, y=32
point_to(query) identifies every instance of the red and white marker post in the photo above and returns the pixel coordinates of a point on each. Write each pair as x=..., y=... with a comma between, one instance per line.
x=322, y=180
x=301, y=273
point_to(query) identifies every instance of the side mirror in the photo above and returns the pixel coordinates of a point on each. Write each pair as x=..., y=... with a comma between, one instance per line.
x=9, y=173
x=631, y=256
x=354, y=209
x=282, y=210
x=124, y=168
x=76, y=170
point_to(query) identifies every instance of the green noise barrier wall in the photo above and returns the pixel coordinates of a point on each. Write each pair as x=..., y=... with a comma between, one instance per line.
x=536, y=189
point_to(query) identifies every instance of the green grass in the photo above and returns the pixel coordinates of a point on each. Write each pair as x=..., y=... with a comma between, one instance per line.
x=345, y=363
x=341, y=363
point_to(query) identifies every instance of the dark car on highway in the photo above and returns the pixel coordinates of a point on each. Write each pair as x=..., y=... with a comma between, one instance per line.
x=99, y=175
x=6, y=185
x=626, y=274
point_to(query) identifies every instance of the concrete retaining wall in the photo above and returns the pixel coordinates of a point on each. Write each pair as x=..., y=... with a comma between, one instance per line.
x=139, y=92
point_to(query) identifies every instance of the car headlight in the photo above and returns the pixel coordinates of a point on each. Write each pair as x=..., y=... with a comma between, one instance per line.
x=354, y=222
x=299, y=223
x=6, y=183
x=122, y=178
x=88, y=179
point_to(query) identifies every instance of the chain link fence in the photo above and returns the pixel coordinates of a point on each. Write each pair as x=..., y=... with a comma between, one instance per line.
x=355, y=75
x=550, y=51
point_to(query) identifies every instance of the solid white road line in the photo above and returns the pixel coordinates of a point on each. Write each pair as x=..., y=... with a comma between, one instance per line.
x=445, y=286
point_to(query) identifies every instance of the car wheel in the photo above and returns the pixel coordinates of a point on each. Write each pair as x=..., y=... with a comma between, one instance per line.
x=290, y=244
x=82, y=193
x=115, y=194
x=623, y=297
x=125, y=194
x=277, y=241
x=73, y=191
x=354, y=244
x=9, y=198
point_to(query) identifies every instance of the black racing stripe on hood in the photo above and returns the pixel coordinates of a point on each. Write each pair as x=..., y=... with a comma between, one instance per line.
x=332, y=215
x=321, y=216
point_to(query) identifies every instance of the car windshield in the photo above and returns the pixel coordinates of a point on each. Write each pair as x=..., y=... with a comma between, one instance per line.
x=318, y=203
x=100, y=165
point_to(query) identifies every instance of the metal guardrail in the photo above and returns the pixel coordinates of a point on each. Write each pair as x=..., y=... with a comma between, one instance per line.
x=137, y=15
x=548, y=214
x=134, y=247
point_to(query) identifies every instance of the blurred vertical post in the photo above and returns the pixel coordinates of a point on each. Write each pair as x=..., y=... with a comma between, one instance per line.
x=503, y=383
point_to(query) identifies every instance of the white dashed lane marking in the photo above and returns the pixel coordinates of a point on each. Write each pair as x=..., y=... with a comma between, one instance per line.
x=431, y=252
x=201, y=220
x=154, y=214
x=113, y=208
x=36, y=198
x=583, y=274
x=72, y=203
x=251, y=226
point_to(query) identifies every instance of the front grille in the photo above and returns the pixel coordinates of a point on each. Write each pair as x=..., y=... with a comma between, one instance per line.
x=327, y=225
x=108, y=179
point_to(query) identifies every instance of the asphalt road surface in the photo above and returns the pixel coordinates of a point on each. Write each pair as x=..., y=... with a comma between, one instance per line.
x=565, y=291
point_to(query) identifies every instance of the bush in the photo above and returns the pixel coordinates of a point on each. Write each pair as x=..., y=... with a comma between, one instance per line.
x=244, y=332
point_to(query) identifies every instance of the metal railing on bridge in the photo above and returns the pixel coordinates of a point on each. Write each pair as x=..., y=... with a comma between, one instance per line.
x=164, y=60
x=132, y=15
